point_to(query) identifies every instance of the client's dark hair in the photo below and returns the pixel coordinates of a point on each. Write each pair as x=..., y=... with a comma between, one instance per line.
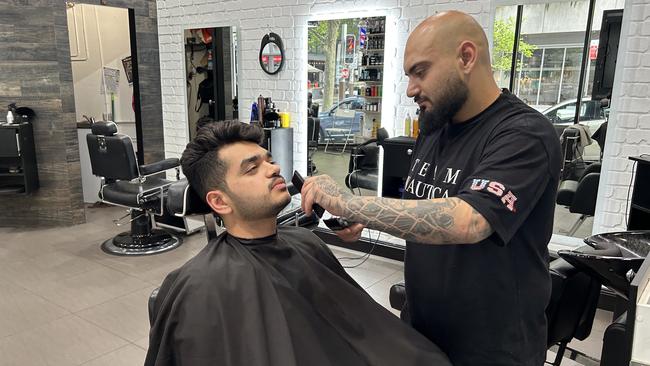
x=200, y=161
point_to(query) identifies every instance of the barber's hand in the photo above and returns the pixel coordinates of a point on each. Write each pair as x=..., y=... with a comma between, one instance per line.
x=324, y=191
x=351, y=233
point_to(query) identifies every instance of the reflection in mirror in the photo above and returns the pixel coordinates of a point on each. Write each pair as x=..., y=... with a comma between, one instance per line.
x=345, y=81
x=211, y=75
x=271, y=53
x=549, y=64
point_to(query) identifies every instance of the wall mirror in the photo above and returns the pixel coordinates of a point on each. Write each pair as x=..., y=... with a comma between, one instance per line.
x=345, y=68
x=211, y=75
x=271, y=54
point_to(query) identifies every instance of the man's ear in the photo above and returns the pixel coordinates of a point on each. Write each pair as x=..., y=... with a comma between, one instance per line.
x=467, y=56
x=219, y=202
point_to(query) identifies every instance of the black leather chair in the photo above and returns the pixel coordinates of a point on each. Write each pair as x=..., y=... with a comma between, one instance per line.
x=570, y=312
x=580, y=195
x=363, y=167
x=136, y=187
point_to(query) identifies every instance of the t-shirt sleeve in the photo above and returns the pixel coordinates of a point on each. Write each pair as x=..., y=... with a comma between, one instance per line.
x=509, y=180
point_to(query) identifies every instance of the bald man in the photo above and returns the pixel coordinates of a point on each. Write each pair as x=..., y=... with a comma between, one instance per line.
x=478, y=206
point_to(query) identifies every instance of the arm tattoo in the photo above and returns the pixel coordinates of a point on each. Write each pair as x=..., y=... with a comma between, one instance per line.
x=437, y=221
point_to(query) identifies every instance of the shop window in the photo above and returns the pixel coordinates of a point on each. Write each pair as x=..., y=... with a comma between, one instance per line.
x=555, y=48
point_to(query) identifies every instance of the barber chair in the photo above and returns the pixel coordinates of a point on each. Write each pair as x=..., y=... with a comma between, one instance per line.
x=571, y=157
x=313, y=133
x=136, y=187
x=613, y=259
x=580, y=195
x=570, y=312
x=363, y=168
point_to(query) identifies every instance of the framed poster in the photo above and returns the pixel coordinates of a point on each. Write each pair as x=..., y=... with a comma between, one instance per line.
x=128, y=68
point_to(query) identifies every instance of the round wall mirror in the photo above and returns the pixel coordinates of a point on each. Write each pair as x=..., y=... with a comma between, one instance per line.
x=271, y=54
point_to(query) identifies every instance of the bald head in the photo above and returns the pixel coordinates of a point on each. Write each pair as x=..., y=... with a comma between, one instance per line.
x=444, y=33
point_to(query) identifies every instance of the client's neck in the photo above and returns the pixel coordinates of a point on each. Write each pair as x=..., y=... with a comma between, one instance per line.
x=251, y=229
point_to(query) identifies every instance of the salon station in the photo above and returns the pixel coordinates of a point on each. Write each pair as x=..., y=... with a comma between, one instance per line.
x=103, y=96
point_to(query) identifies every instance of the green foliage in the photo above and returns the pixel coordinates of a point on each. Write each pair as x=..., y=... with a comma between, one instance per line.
x=504, y=38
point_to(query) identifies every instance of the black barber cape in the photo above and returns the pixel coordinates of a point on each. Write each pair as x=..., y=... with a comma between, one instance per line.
x=484, y=304
x=283, y=300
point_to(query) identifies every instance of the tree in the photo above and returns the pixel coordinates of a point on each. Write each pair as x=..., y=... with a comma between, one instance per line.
x=504, y=40
x=323, y=38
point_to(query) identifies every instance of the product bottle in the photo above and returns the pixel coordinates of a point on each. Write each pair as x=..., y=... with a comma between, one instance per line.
x=407, y=125
x=416, y=124
x=11, y=113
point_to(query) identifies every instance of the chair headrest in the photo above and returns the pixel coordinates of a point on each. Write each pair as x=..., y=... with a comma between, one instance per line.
x=382, y=135
x=183, y=200
x=103, y=128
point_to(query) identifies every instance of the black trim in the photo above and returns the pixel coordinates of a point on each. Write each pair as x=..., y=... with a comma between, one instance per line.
x=515, y=47
x=136, y=88
x=218, y=65
x=583, y=64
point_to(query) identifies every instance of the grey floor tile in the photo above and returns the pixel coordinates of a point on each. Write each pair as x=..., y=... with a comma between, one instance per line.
x=66, y=341
x=126, y=315
x=128, y=355
x=89, y=289
x=21, y=310
x=143, y=343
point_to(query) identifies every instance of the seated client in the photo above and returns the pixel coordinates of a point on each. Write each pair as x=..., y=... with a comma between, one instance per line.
x=263, y=295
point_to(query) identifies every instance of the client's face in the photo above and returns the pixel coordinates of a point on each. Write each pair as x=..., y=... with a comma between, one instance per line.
x=255, y=187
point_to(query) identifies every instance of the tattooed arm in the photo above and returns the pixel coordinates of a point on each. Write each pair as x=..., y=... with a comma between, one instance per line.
x=435, y=221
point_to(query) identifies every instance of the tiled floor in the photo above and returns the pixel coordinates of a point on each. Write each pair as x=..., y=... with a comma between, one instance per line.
x=65, y=302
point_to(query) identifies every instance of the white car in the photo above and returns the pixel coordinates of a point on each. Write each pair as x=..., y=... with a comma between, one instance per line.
x=592, y=115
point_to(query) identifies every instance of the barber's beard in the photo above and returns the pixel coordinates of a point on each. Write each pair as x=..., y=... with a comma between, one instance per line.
x=452, y=97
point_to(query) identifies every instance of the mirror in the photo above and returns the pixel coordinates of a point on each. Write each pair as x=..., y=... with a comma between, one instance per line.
x=345, y=64
x=271, y=54
x=211, y=75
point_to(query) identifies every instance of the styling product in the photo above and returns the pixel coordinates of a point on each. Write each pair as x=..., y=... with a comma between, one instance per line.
x=416, y=124
x=407, y=125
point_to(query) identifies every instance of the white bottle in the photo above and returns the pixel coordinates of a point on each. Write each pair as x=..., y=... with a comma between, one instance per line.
x=10, y=117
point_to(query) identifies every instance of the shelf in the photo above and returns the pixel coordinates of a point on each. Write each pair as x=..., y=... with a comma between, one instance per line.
x=372, y=112
x=370, y=97
x=369, y=81
x=381, y=66
x=374, y=34
x=12, y=174
x=374, y=50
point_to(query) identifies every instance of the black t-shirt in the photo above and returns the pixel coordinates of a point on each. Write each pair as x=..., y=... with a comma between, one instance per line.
x=484, y=303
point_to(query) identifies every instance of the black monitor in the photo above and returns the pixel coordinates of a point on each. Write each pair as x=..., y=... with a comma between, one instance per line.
x=8, y=143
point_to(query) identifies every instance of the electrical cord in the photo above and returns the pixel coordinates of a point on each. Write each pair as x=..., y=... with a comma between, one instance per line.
x=365, y=256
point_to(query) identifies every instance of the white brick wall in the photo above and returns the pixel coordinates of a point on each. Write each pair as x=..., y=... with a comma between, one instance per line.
x=628, y=133
x=288, y=18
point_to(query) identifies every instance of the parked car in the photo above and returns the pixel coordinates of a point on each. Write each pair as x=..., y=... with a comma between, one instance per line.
x=592, y=115
x=342, y=120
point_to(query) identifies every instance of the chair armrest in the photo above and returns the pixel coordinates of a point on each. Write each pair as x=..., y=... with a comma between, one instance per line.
x=159, y=166
x=566, y=192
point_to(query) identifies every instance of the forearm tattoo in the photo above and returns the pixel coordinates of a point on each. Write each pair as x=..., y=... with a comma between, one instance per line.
x=438, y=221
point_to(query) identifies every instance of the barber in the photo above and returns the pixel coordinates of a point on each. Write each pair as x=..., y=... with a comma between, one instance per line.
x=479, y=203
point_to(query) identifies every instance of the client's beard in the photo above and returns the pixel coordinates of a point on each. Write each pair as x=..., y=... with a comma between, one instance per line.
x=251, y=209
x=453, y=96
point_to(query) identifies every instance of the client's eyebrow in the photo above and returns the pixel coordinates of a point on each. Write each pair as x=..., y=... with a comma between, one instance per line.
x=253, y=160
